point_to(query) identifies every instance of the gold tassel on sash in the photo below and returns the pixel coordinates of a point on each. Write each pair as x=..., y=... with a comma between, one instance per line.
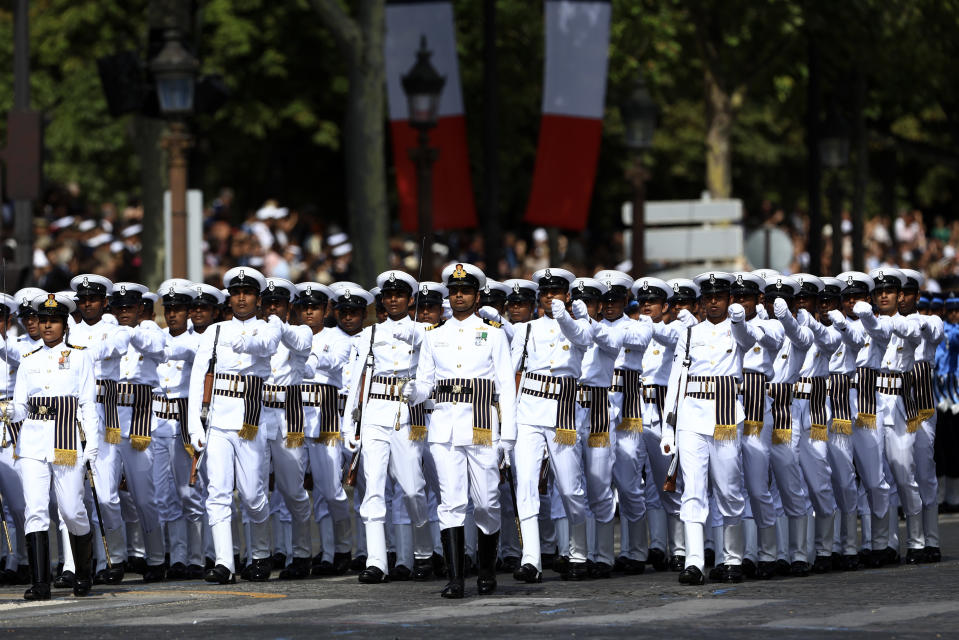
x=565, y=436
x=140, y=443
x=782, y=436
x=112, y=435
x=866, y=420
x=819, y=432
x=248, y=432
x=483, y=437
x=843, y=427
x=598, y=440
x=418, y=422
x=630, y=424
x=327, y=437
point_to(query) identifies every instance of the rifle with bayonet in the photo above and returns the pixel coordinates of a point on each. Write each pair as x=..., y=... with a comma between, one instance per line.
x=365, y=384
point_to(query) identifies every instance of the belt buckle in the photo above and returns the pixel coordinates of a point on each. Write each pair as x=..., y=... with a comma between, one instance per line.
x=457, y=388
x=42, y=410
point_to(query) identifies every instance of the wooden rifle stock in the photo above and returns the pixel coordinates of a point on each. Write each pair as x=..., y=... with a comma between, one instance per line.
x=208, y=381
x=544, y=476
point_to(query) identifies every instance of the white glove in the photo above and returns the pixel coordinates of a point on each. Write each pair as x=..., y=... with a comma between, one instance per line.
x=239, y=344
x=196, y=439
x=489, y=313
x=580, y=311
x=447, y=311
x=643, y=318
x=837, y=318
x=404, y=333
x=736, y=312
x=955, y=409
x=862, y=308
x=667, y=443
x=780, y=308
x=408, y=390
x=557, y=308
x=803, y=317
x=686, y=317
x=761, y=312
x=349, y=437
x=505, y=447
x=90, y=452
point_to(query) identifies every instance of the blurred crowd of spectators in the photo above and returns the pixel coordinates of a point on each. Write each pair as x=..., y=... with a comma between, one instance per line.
x=73, y=236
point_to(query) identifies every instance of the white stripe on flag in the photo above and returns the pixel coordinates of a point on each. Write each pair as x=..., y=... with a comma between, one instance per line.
x=405, y=23
x=577, y=53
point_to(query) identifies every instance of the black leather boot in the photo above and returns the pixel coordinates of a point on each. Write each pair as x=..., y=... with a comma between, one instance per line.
x=38, y=552
x=82, y=547
x=454, y=550
x=486, y=546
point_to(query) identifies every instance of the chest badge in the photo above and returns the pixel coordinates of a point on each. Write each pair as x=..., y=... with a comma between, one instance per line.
x=64, y=361
x=480, y=338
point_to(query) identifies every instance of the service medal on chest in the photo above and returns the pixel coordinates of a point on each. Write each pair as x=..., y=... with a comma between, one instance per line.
x=64, y=360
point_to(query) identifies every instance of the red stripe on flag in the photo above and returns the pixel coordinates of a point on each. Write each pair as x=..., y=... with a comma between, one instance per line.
x=565, y=170
x=453, y=206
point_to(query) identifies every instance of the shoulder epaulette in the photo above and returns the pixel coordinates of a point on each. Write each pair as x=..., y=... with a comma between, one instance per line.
x=493, y=323
x=33, y=352
x=435, y=326
x=77, y=347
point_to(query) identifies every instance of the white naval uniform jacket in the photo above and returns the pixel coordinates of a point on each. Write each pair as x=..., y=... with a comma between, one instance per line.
x=932, y=333
x=901, y=337
x=346, y=378
x=556, y=348
x=825, y=342
x=173, y=373
x=288, y=365
x=852, y=338
x=715, y=350
x=139, y=364
x=42, y=375
x=262, y=339
x=12, y=351
x=105, y=342
x=760, y=356
x=331, y=351
x=612, y=341
x=789, y=360
x=391, y=357
x=657, y=361
x=467, y=348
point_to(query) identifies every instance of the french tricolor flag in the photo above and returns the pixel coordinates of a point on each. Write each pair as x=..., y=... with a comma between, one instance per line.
x=406, y=23
x=574, y=93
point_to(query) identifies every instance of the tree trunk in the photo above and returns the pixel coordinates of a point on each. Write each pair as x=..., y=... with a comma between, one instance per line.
x=146, y=136
x=721, y=106
x=364, y=148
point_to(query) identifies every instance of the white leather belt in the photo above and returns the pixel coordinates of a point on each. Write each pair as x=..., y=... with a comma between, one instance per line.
x=802, y=387
x=235, y=386
x=697, y=387
x=649, y=393
x=541, y=386
x=889, y=383
x=385, y=389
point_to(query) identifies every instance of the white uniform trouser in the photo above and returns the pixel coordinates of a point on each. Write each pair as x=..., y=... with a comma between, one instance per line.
x=13, y=502
x=658, y=463
x=68, y=487
x=868, y=450
x=841, y=457
x=814, y=459
x=191, y=498
x=169, y=507
x=628, y=459
x=707, y=461
x=925, y=462
x=229, y=459
x=598, y=467
x=326, y=465
x=899, y=447
x=786, y=469
x=756, y=461
x=464, y=473
x=137, y=466
x=289, y=468
x=532, y=442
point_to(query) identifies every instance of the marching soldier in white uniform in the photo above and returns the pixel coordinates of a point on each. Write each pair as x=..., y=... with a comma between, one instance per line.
x=708, y=424
x=387, y=353
x=549, y=354
x=181, y=507
x=235, y=445
x=466, y=362
x=54, y=401
x=283, y=420
x=492, y=304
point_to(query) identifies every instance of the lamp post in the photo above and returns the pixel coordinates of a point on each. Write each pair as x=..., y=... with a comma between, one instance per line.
x=834, y=154
x=423, y=86
x=174, y=71
x=640, y=115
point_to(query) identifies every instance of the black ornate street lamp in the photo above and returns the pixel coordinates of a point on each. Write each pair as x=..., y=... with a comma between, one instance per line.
x=640, y=116
x=834, y=154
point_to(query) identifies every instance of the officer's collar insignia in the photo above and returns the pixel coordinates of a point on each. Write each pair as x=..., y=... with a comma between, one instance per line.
x=739, y=279
x=241, y=275
x=86, y=281
x=123, y=289
x=712, y=278
x=51, y=302
x=548, y=275
x=515, y=287
x=392, y=277
x=675, y=287
x=272, y=286
x=459, y=273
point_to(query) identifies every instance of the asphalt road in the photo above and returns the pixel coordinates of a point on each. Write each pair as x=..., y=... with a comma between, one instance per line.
x=898, y=602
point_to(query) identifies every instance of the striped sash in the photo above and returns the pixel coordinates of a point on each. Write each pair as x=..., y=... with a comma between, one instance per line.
x=723, y=390
x=925, y=396
x=139, y=397
x=565, y=397
x=250, y=389
x=325, y=398
x=910, y=401
x=175, y=409
x=62, y=411
x=418, y=421
x=866, y=419
x=754, y=402
x=781, y=408
x=107, y=396
x=840, y=385
x=294, y=417
x=818, y=417
x=478, y=392
x=596, y=399
x=631, y=416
